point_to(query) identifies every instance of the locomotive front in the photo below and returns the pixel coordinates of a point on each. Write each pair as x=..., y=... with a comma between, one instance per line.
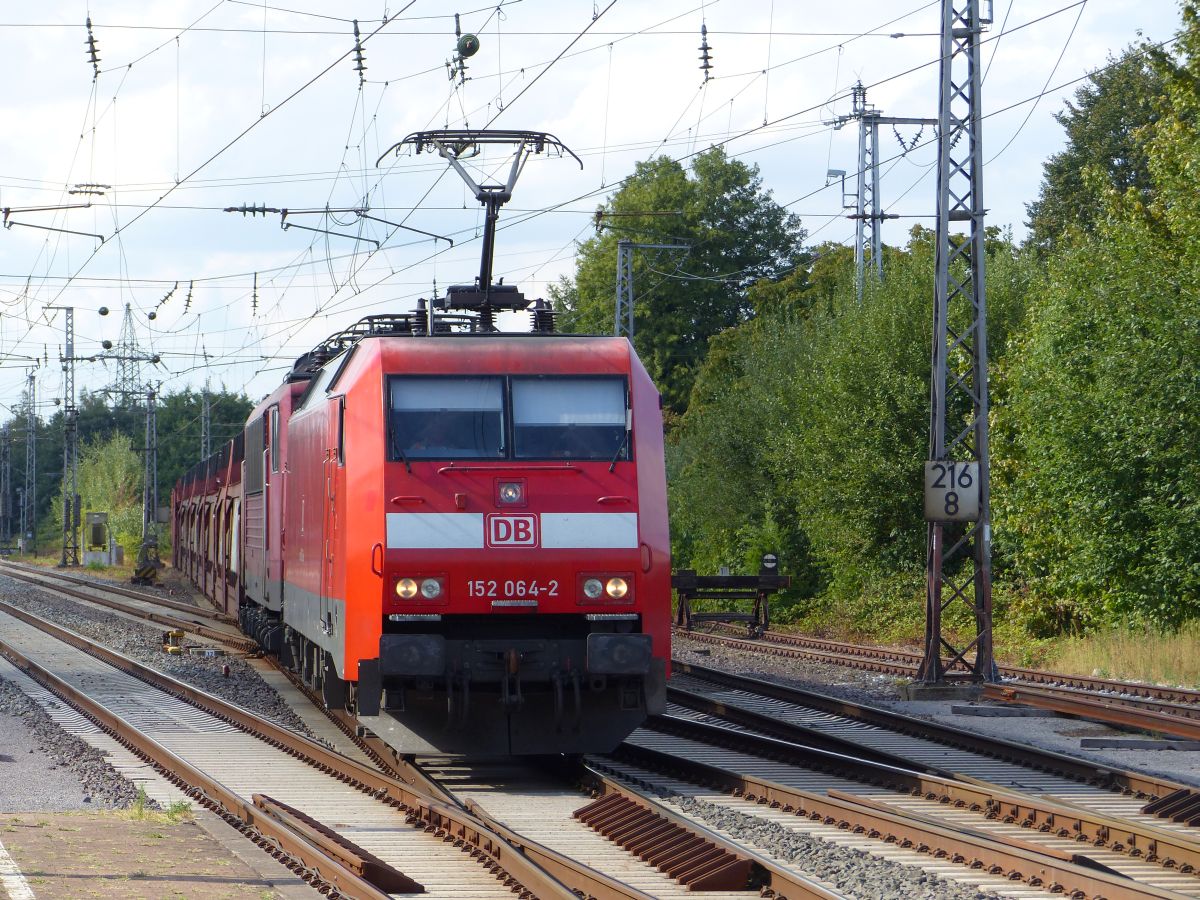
x=525, y=570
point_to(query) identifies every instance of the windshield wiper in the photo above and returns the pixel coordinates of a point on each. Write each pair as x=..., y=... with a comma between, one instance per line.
x=397, y=450
x=620, y=449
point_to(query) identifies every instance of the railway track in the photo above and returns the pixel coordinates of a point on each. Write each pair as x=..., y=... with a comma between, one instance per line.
x=721, y=779
x=347, y=827
x=906, y=819
x=195, y=620
x=1144, y=707
x=234, y=760
x=1036, y=791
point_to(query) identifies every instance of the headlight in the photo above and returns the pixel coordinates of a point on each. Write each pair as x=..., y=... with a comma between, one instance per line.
x=616, y=588
x=431, y=588
x=406, y=589
x=593, y=588
x=511, y=492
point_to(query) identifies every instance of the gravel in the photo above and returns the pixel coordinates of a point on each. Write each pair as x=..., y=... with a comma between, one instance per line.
x=46, y=769
x=856, y=685
x=100, y=785
x=1060, y=734
x=143, y=643
x=853, y=872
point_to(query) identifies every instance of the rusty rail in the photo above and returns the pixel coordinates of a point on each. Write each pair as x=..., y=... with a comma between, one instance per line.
x=1017, y=860
x=521, y=861
x=693, y=843
x=1136, y=714
x=1170, y=849
x=6, y=567
x=235, y=641
x=303, y=857
x=365, y=865
x=1019, y=673
x=1126, y=704
x=1136, y=784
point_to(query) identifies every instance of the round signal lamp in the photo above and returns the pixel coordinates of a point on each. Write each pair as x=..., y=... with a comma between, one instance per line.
x=616, y=588
x=406, y=589
x=510, y=492
x=431, y=588
x=593, y=588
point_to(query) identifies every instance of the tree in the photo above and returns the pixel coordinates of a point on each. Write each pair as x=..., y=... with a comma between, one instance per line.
x=1100, y=510
x=178, y=424
x=809, y=425
x=179, y=429
x=110, y=480
x=735, y=235
x=1106, y=135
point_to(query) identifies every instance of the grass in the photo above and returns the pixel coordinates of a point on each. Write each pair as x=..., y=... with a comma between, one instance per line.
x=142, y=811
x=1156, y=657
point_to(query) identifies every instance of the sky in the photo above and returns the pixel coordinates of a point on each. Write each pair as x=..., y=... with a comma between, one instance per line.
x=196, y=106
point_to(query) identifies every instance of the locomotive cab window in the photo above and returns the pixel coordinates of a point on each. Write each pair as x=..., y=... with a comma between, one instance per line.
x=446, y=418
x=570, y=418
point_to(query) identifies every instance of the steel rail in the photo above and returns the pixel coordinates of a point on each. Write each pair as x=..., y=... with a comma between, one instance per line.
x=112, y=588
x=433, y=810
x=375, y=748
x=1115, y=710
x=1038, y=866
x=900, y=662
x=304, y=857
x=567, y=870
x=853, y=656
x=782, y=884
x=1135, y=784
x=235, y=641
x=1170, y=849
x=1140, y=712
x=590, y=882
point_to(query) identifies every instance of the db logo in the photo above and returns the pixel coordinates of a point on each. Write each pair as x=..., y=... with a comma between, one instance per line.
x=511, y=531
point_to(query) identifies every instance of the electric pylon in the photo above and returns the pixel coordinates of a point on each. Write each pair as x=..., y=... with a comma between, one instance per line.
x=868, y=208
x=958, y=550
x=148, y=563
x=128, y=383
x=623, y=323
x=70, y=483
x=205, y=424
x=29, y=498
x=5, y=484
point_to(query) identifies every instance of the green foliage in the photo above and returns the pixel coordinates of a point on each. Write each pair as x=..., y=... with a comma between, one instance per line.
x=178, y=421
x=1106, y=129
x=725, y=505
x=808, y=428
x=110, y=480
x=736, y=233
x=1098, y=501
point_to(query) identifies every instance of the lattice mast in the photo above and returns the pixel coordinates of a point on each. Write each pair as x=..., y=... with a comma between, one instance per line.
x=205, y=423
x=868, y=205
x=29, y=499
x=128, y=383
x=866, y=210
x=6, y=488
x=623, y=323
x=958, y=553
x=150, y=476
x=146, y=569
x=70, y=479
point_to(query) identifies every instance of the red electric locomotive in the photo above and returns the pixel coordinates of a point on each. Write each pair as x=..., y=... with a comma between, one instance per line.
x=458, y=534
x=462, y=538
